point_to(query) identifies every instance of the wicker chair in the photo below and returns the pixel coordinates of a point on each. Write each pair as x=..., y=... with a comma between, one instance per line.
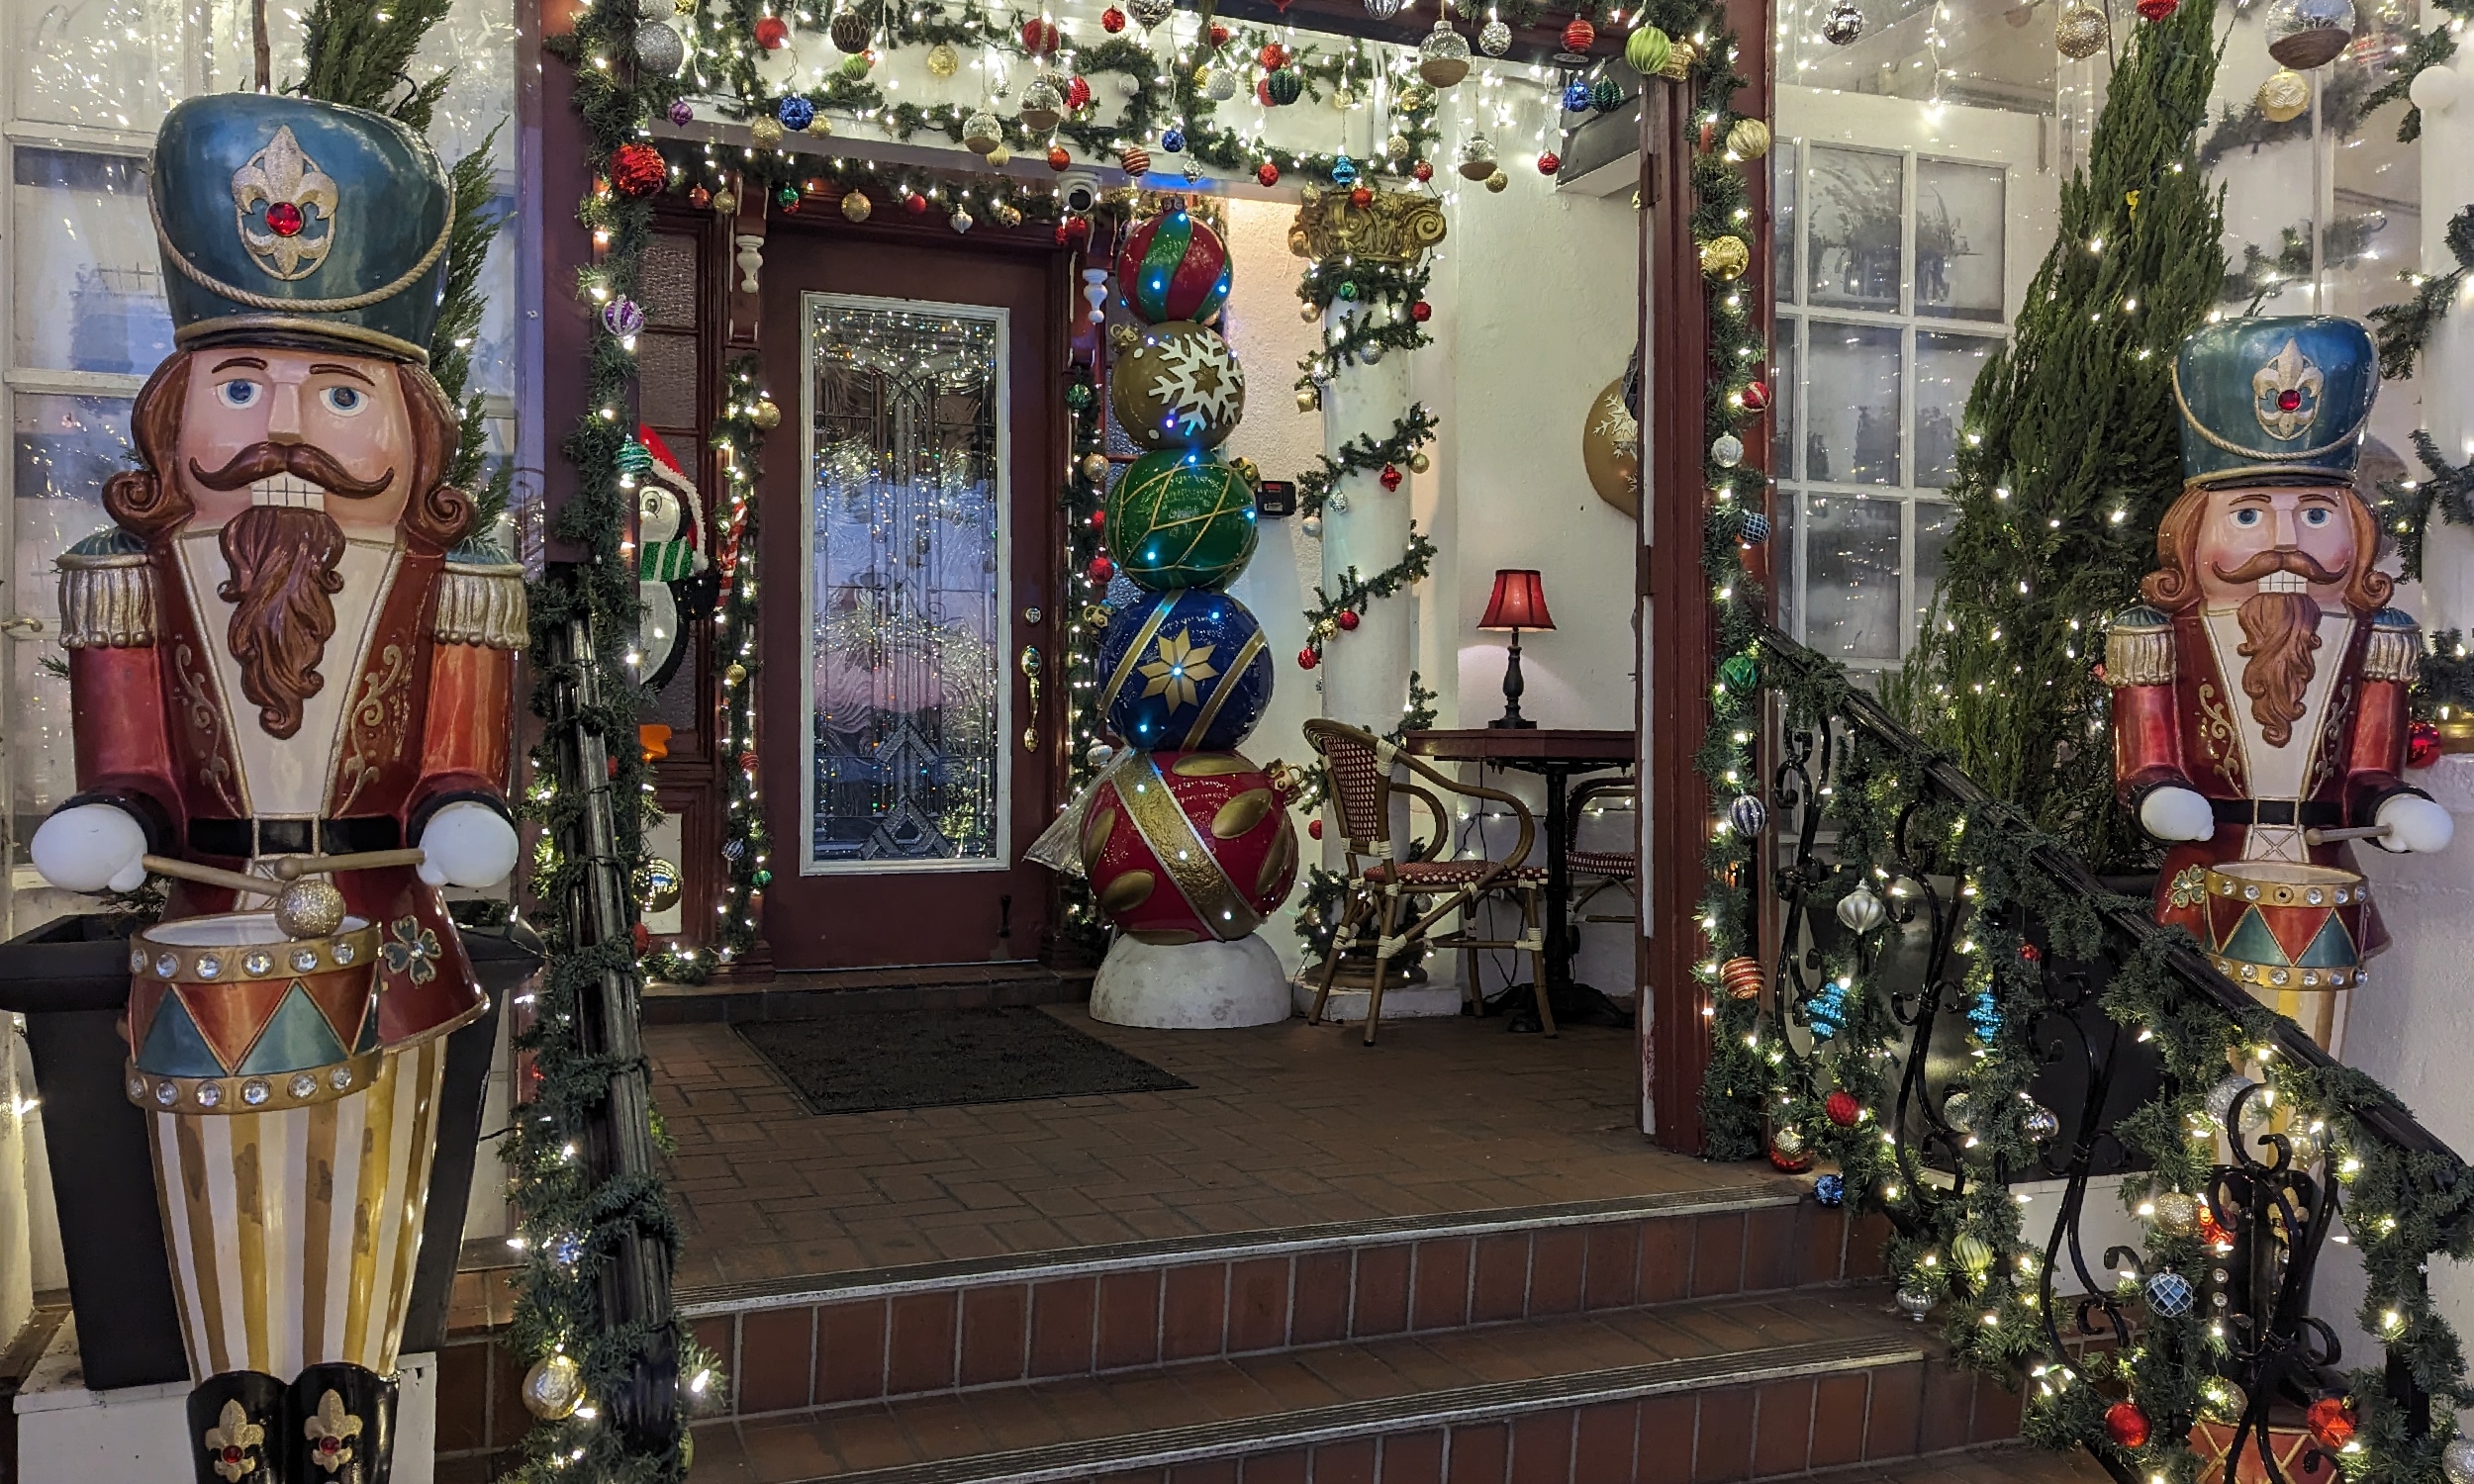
x=1605, y=867
x=1385, y=887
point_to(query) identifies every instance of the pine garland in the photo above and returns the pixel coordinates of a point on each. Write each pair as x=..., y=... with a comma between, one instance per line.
x=1363, y=455
x=1384, y=319
x=2422, y=48
x=1335, y=612
x=2403, y=330
x=1084, y=500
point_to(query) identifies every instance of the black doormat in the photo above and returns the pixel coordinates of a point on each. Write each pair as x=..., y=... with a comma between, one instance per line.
x=945, y=1058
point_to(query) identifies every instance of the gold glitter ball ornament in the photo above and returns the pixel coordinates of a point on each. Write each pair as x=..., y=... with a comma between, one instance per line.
x=1419, y=463
x=2177, y=1215
x=943, y=61
x=856, y=207
x=1681, y=56
x=768, y=414
x=1749, y=140
x=2285, y=96
x=736, y=675
x=554, y=1387
x=765, y=131
x=2081, y=32
x=998, y=157
x=1498, y=182
x=1725, y=258
x=310, y=907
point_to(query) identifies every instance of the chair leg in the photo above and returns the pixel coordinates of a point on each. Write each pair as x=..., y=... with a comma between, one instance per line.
x=1349, y=915
x=1471, y=998
x=1532, y=928
x=1382, y=958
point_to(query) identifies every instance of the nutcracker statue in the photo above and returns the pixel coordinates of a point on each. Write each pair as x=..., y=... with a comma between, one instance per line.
x=291, y=676
x=2259, y=691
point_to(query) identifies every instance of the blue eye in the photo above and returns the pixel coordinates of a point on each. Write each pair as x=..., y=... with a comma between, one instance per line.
x=2318, y=514
x=2246, y=518
x=343, y=401
x=237, y=393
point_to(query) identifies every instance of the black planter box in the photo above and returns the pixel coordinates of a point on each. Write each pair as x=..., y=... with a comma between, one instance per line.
x=70, y=980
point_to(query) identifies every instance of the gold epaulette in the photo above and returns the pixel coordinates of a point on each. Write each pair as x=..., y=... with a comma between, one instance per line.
x=2138, y=648
x=481, y=598
x=107, y=592
x=2395, y=652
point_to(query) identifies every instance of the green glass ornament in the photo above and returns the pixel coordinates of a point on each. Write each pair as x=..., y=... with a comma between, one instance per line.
x=787, y=195
x=1078, y=396
x=1348, y=288
x=762, y=878
x=855, y=65
x=1740, y=672
x=634, y=458
x=1181, y=518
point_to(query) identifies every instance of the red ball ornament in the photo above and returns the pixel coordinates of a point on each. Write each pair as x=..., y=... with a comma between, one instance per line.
x=699, y=198
x=2330, y=1421
x=1790, y=1154
x=1579, y=36
x=1263, y=93
x=638, y=169
x=772, y=33
x=1421, y=310
x=2421, y=745
x=1422, y=172
x=1078, y=93
x=1167, y=809
x=1060, y=234
x=1314, y=828
x=1346, y=618
x=1549, y=163
x=748, y=761
x=1268, y=173
x=1102, y=571
x=1113, y=19
x=1842, y=1108
x=2211, y=1232
x=1076, y=228
x=915, y=204
x=642, y=938
x=1099, y=519
x=2030, y=952
x=2157, y=10
x=1219, y=35
x=2126, y=1425
x=1039, y=36
x=1756, y=396
x=1307, y=659
x=1272, y=57
x=1361, y=197
x=1058, y=159
x=1391, y=477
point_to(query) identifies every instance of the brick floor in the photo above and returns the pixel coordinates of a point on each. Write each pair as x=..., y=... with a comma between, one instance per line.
x=1285, y=1125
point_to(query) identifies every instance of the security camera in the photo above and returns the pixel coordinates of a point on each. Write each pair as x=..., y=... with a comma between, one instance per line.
x=1081, y=190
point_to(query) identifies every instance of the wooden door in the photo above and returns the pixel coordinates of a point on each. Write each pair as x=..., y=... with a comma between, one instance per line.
x=908, y=533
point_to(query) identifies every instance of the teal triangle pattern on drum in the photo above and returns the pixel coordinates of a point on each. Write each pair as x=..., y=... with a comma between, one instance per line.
x=174, y=1046
x=2332, y=948
x=2250, y=942
x=295, y=1039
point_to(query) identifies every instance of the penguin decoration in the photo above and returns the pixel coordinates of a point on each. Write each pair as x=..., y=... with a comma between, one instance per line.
x=673, y=573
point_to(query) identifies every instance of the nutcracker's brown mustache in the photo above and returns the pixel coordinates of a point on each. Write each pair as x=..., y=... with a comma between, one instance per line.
x=306, y=460
x=2278, y=559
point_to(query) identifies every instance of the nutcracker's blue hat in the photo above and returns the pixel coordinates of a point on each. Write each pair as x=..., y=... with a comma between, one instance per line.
x=292, y=222
x=2279, y=400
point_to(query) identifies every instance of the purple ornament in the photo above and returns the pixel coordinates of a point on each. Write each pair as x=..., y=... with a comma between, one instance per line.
x=624, y=317
x=682, y=112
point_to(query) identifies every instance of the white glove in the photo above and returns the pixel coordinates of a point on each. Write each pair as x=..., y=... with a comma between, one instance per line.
x=2416, y=825
x=2173, y=814
x=467, y=843
x=90, y=848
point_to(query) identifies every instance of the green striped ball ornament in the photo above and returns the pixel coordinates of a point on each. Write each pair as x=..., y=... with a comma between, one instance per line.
x=1181, y=518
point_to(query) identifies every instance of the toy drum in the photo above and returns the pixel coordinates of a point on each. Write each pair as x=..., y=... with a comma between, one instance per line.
x=2288, y=932
x=292, y=1150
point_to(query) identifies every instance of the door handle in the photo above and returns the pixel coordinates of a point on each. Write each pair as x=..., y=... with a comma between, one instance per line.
x=1030, y=672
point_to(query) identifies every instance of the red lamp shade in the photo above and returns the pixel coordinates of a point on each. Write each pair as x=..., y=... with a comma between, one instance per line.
x=1519, y=601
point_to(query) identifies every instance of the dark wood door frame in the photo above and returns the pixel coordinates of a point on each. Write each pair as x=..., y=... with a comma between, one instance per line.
x=1671, y=592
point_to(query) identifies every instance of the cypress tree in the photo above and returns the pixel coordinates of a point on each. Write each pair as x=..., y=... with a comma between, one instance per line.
x=2071, y=452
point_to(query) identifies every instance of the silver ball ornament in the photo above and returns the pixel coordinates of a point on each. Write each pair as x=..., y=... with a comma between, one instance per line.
x=1747, y=815
x=2222, y=1098
x=1861, y=911
x=659, y=49
x=2041, y=1123
x=1311, y=525
x=1726, y=450
x=1844, y=24
x=554, y=1387
x=2456, y=1460
x=1495, y=39
x=1914, y=1304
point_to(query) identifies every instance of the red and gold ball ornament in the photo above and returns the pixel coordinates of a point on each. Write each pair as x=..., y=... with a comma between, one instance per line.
x=1549, y=163
x=1361, y=197
x=1078, y=93
x=2423, y=744
x=1134, y=160
x=1756, y=397
x=1844, y=1108
x=2157, y=10
x=1268, y=174
x=2330, y=1421
x=638, y=169
x=1058, y=159
x=1579, y=36
x=1039, y=36
x=1422, y=172
x=1113, y=19
x=1187, y=846
x=772, y=33
x=1790, y=1150
x=2126, y=1425
x=699, y=198
x=1740, y=978
x=1173, y=267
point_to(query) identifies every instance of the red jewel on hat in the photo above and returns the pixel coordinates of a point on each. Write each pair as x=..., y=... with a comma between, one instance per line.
x=285, y=218
x=2288, y=399
x=233, y=1455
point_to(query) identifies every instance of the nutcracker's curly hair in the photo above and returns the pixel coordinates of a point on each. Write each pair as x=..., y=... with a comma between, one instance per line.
x=2174, y=585
x=148, y=501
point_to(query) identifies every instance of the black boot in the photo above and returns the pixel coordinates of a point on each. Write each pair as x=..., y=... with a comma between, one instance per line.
x=339, y=1427
x=236, y=1426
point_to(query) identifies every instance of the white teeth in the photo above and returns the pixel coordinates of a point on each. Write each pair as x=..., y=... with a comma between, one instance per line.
x=2284, y=581
x=285, y=490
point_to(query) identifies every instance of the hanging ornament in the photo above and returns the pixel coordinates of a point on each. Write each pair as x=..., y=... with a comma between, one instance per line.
x=1680, y=59
x=1844, y=24
x=1284, y=87
x=1150, y=12
x=1790, y=1151
x=1307, y=659
x=998, y=157
x=795, y=112
x=2330, y=1421
x=1742, y=977
x=960, y=220
x=2126, y=1425
x=1005, y=212
x=943, y=61
x=682, y=112
x=1725, y=258
x=2155, y=11
x=1173, y=140
x=699, y=198
x=1861, y=911
x=1348, y=620
x=1039, y=36
x=659, y=49
x=1095, y=468
x=1915, y=1303
x=2041, y=1123
x=1752, y=527
x=856, y=206
x=1579, y=36
x=2304, y=34
x=1267, y=173
x=1113, y=19
x=915, y=204
x=624, y=317
x=1443, y=57
x=2424, y=744
x=1645, y=51
x=2284, y=97
x=772, y=33
x=1549, y=163
x=1494, y=38
x=1058, y=159
x=1271, y=57
x=638, y=169
x=1748, y=138
x=1135, y=159
x=1830, y=1191
x=1973, y=1254
x=1418, y=462
x=1043, y=107
x=2176, y=1213
x=2082, y=31
x=1220, y=83
x=981, y=133
x=1101, y=572
x=1391, y=478
x=1842, y=1108
x=1606, y=95
x=1382, y=10
x=1498, y=182
x=856, y=65
x=1217, y=35
x=1477, y=157
x=1421, y=172
x=2169, y=1294
x=553, y=1387
x=1312, y=525
x=849, y=30
x=1755, y=397
x=2456, y=1460
x=1575, y=97
x=1726, y=450
x=1747, y=815
x=2227, y=1093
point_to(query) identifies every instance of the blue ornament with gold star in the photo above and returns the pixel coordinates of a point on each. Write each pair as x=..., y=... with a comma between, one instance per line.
x=1184, y=670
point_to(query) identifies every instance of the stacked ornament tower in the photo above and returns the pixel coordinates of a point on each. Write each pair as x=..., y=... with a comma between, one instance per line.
x=1186, y=843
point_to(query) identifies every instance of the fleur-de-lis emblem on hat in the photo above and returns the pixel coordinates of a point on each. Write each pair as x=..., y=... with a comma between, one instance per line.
x=2285, y=393
x=288, y=185
x=1180, y=665
x=331, y=1431
x=234, y=1443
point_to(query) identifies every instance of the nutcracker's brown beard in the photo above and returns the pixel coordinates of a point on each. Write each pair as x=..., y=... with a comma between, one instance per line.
x=2280, y=630
x=283, y=586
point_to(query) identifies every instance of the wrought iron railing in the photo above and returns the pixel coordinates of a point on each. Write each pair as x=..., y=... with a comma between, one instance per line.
x=1950, y=1009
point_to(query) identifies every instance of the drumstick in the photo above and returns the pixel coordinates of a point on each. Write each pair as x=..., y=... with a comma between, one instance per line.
x=208, y=875
x=2330, y=837
x=292, y=868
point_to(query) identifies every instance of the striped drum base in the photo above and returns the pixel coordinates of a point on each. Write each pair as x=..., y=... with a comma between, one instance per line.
x=293, y=1231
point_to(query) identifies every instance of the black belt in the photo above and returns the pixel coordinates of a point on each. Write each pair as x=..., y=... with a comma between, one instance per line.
x=2285, y=813
x=248, y=839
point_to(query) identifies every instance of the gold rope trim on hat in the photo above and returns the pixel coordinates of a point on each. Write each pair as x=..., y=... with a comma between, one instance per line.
x=245, y=297
x=2227, y=445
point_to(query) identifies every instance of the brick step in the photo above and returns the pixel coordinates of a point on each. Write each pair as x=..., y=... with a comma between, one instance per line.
x=1690, y=1393
x=938, y=1326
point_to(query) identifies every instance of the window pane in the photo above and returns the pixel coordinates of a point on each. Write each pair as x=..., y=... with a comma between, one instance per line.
x=1787, y=393
x=1850, y=570
x=1947, y=367
x=1934, y=523
x=906, y=489
x=89, y=288
x=1958, y=239
x=1851, y=410
x=63, y=449
x=1782, y=219
x=1856, y=221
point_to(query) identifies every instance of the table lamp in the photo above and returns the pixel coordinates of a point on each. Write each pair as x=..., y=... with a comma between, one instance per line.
x=1519, y=602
